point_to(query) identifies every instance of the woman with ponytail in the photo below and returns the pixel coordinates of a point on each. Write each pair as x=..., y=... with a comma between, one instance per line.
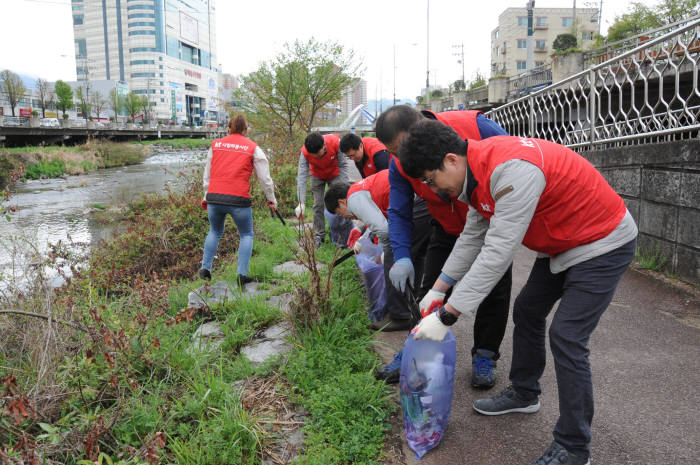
x=230, y=164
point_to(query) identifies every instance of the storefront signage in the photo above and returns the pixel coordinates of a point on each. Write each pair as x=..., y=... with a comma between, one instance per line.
x=27, y=112
x=193, y=74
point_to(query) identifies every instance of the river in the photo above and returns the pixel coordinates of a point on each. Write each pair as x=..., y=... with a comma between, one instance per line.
x=50, y=210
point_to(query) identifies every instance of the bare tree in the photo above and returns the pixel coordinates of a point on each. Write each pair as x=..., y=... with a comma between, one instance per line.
x=98, y=103
x=13, y=88
x=44, y=89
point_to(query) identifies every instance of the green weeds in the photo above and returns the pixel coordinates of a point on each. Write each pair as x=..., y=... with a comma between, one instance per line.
x=651, y=259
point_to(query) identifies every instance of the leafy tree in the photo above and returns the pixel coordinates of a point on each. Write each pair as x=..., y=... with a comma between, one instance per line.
x=116, y=102
x=676, y=10
x=43, y=89
x=64, y=94
x=284, y=95
x=13, y=88
x=478, y=81
x=638, y=19
x=97, y=102
x=132, y=104
x=564, y=42
x=83, y=103
x=145, y=107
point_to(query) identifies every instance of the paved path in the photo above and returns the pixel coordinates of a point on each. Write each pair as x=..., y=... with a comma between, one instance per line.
x=646, y=374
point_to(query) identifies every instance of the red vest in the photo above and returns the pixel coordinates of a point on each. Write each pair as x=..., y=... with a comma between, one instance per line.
x=371, y=146
x=577, y=205
x=378, y=187
x=451, y=215
x=463, y=122
x=326, y=167
x=231, y=166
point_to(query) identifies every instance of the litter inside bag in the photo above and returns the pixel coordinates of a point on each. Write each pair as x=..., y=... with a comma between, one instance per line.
x=372, y=271
x=339, y=228
x=426, y=384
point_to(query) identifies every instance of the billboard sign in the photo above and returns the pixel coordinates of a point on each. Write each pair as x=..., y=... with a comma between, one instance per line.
x=189, y=29
x=27, y=112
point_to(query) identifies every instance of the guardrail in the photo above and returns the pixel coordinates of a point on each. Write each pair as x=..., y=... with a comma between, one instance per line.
x=530, y=81
x=649, y=93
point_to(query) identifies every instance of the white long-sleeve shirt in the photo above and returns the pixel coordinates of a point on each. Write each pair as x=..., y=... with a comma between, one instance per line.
x=361, y=205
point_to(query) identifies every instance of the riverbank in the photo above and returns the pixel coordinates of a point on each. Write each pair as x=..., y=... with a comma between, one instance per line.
x=109, y=361
x=177, y=144
x=55, y=161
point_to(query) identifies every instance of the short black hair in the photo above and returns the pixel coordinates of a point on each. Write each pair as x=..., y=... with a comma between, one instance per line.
x=427, y=144
x=336, y=191
x=350, y=141
x=314, y=142
x=395, y=120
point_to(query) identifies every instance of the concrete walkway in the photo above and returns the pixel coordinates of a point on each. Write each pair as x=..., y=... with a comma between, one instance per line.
x=645, y=357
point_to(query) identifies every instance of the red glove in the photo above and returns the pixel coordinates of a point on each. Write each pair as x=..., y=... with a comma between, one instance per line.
x=273, y=205
x=204, y=204
x=375, y=239
x=354, y=235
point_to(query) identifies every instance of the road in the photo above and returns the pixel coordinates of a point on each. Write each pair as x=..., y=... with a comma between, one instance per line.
x=645, y=357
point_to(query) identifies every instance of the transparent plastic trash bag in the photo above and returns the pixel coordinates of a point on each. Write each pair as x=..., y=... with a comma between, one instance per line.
x=426, y=384
x=372, y=271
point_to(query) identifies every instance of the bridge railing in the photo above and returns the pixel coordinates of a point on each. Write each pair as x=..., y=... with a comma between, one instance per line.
x=648, y=93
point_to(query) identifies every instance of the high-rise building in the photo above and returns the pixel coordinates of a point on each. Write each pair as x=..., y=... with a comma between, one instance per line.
x=509, y=39
x=165, y=49
x=354, y=97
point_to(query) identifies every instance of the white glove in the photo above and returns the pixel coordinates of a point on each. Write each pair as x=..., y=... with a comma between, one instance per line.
x=431, y=328
x=357, y=248
x=299, y=210
x=431, y=302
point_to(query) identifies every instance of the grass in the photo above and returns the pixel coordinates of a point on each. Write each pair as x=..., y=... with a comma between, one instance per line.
x=130, y=389
x=652, y=259
x=180, y=144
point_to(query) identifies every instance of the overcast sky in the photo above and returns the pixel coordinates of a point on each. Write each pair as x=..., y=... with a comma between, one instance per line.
x=36, y=36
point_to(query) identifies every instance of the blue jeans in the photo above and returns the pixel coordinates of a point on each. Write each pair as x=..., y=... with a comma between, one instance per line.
x=243, y=217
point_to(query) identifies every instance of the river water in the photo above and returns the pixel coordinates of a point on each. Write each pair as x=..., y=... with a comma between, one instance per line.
x=50, y=210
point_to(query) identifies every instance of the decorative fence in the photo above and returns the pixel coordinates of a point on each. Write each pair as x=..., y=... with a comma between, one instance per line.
x=647, y=94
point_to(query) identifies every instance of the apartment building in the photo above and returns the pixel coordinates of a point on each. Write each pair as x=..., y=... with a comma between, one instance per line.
x=509, y=39
x=165, y=49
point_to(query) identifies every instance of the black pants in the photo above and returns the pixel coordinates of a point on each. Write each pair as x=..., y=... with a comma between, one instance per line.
x=492, y=315
x=585, y=290
x=398, y=306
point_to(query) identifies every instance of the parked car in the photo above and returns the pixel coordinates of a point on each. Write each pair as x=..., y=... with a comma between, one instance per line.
x=49, y=123
x=12, y=121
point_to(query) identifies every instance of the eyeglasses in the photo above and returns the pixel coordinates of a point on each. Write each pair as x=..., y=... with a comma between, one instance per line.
x=429, y=181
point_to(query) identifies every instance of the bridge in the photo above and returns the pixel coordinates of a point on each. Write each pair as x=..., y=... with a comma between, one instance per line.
x=350, y=123
x=24, y=131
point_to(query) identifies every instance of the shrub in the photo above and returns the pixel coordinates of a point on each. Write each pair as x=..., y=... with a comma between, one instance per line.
x=45, y=169
x=564, y=42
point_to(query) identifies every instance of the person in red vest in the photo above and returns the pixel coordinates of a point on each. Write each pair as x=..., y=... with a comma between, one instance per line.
x=448, y=216
x=230, y=163
x=368, y=201
x=553, y=201
x=320, y=156
x=370, y=155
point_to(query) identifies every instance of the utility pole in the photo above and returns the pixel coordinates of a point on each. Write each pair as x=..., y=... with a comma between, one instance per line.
x=427, y=54
x=461, y=60
x=394, y=75
x=530, y=63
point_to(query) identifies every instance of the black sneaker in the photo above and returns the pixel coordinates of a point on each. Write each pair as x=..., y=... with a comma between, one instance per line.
x=243, y=280
x=508, y=401
x=205, y=274
x=484, y=369
x=388, y=324
x=390, y=374
x=557, y=455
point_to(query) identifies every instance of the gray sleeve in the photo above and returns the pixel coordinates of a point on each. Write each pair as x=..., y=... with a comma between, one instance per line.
x=467, y=246
x=363, y=207
x=207, y=173
x=343, y=167
x=520, y=185
x=302, y=176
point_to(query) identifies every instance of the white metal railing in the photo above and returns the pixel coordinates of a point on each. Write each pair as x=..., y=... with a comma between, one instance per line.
x=649, y=93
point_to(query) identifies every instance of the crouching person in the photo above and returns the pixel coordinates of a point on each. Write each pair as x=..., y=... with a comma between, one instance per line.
x=553, y=201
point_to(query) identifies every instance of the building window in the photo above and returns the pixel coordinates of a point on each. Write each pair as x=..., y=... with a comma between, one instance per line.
x=134, y=75
x=522, y=21
x=541, y=21
x=142, y=49
x=142, y=23
x=81, y=45
x=142, y=33
x=521, y=65
x=522, y=43
x=540, y=44
x=140, y=7
x=162, y=100
x=567, y=22
x=495, y=34
x=160, y=59
x=539, y=63
x=141, y=15
x=160, y=66
x=161, y=82
x=77, y=20
x=141, y=62
x=161, y=75
x=161, y=91
x=586, y=35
